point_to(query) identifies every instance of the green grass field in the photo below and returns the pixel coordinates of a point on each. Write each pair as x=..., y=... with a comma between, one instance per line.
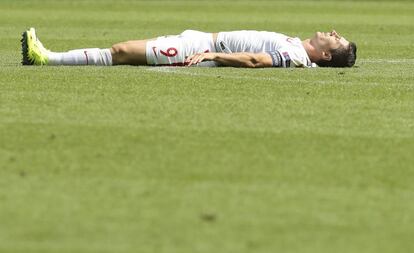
x=202, y=160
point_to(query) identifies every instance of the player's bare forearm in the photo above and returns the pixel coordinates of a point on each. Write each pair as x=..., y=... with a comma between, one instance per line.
x=243, y=60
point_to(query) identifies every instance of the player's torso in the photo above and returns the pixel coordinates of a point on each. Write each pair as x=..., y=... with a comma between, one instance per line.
x=255, y=41
x=262, y=41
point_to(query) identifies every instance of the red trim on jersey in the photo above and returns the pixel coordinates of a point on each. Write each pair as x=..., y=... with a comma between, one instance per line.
x=154, y=49
x=86, y=55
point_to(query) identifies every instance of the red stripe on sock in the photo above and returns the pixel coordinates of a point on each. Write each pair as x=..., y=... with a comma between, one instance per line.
x=86, y=55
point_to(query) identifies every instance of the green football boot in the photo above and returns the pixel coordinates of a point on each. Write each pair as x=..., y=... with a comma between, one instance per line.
x=34, y=53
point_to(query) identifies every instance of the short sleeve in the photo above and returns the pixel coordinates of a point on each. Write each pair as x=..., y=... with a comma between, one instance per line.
x=290, y=58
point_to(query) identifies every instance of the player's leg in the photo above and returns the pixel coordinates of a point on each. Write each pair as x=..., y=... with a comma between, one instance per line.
x=125, y=53
x=129, y=53
x=169, y=50
x=166, y=50
x=34, y=53
x=86, y=56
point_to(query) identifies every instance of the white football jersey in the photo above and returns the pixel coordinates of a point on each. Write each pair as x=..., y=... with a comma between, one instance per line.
x=285, y=51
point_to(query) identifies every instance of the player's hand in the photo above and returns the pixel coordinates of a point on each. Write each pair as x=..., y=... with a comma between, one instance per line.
x=199, y=57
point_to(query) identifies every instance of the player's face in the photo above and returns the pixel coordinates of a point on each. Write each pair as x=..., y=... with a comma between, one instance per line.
x=327, y=41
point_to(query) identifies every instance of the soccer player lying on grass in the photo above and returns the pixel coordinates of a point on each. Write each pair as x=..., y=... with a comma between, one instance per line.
x=249, y=49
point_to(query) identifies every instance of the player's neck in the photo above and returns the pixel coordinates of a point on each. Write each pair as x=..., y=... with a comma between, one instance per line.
x=311, y=51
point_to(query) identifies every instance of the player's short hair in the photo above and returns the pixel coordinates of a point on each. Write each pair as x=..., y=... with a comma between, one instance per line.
x=341, y=57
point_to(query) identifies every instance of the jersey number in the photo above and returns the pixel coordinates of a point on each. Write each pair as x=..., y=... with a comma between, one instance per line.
x=171, y=52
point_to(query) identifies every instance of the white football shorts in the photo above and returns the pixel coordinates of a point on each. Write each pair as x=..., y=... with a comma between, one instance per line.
x=172, y=50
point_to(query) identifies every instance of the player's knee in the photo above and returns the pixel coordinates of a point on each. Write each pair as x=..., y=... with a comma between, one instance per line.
x=119, y=53
x=119, y=49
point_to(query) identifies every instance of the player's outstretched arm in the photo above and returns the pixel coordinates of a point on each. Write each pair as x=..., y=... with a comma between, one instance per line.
x=243, y=60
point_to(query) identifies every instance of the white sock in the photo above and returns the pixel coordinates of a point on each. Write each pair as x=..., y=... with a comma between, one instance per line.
x=88, y=56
